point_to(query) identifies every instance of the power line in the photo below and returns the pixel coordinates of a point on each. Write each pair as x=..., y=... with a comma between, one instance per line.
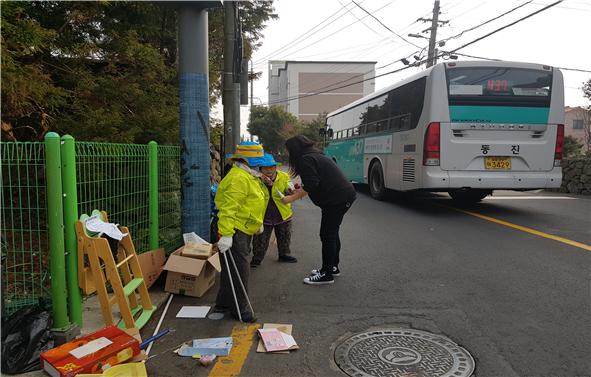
x=303, y=35
x=364, y=24
x=381, y=23
x=445, y=53
x=506, y=26
x=418, y=63
x=330, y=35
x=486, y=22
x=415, y=64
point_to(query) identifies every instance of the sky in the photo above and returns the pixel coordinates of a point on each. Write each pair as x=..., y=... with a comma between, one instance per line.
x=329, y=30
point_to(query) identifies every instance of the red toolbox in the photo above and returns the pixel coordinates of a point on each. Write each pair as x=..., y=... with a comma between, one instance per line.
x=93, y=353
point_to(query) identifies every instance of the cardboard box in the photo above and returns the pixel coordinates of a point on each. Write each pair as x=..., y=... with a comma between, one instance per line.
x=197, y=250
x=151, y=264
x=93, y=353
x=190, y=276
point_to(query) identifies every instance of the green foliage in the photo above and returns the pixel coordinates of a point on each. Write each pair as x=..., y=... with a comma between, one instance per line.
x=572, y=146
x=102, y=71
x=273, y=125
x=312, y=130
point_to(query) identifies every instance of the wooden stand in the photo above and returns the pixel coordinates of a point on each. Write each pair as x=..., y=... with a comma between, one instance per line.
x=125, y=276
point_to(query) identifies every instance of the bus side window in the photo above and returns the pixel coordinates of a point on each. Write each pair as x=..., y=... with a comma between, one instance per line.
x=371, y=128
x=362, y=129
x=405, y=122
x=355, y=131
x=395, y=124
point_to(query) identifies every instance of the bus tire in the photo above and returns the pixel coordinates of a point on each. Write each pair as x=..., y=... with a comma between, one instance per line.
x=377, y=188
x=469, y=196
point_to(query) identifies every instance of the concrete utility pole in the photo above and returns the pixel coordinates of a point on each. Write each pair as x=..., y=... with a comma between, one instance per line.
x=231, y=93
x=432, y=57
x=251, y=92
x=194, y=115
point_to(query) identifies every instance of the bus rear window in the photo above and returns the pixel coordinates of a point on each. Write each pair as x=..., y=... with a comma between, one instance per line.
x=500, y=86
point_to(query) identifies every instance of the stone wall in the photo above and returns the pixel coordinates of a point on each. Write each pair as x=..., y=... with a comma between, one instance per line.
x=576, y=176
x=215, y=169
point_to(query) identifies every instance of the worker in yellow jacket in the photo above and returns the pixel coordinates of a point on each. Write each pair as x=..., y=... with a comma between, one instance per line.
x=278, y=214
x=241, y=200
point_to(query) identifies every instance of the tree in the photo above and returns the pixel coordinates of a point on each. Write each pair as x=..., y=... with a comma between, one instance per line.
x=273, y=125
x=312, y=130
x=103, y=71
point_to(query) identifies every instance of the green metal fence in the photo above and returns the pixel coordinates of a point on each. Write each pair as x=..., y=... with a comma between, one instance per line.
x=23, y=234
x=114, y=178
x=111, y=177
x=169, y=197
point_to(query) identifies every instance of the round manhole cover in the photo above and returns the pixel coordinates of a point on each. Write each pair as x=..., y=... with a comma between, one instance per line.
x=402, y=352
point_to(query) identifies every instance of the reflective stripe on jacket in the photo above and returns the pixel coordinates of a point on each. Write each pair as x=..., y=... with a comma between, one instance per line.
x=241, y=200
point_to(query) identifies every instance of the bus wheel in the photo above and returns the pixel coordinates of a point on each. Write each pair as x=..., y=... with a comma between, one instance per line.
x=376, y=182
x=469, y=196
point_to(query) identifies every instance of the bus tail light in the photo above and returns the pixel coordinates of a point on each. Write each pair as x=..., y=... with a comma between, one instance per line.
x=431, y=147
x=559, y=144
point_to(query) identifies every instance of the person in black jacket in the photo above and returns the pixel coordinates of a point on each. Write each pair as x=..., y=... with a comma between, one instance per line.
x=328, y=189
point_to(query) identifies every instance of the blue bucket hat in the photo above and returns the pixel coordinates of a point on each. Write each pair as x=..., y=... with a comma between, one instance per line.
x=269, y=160
x=249, y=151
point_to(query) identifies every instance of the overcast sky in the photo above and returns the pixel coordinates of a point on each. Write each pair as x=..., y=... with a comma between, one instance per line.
x=558, y=36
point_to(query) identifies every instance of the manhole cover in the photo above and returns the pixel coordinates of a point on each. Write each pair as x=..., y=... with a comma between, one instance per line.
x=402, y=352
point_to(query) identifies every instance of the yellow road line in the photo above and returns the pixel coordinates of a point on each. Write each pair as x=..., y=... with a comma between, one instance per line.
x=525, y=229
x=230, y=366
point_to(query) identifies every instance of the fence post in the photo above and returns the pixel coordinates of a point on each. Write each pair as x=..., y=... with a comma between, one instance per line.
x=153, y=194
x=55, y=221
x=70, y=202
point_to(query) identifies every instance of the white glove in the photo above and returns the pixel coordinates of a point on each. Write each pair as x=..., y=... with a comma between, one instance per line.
x=224, y=244
x=261, y=229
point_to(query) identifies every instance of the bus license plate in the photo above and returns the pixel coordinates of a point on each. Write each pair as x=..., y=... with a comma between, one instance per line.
x=497, y=163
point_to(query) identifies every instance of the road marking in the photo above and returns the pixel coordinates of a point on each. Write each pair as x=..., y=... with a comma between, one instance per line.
x=231, y=365
x=525, y=229
x=528, y=198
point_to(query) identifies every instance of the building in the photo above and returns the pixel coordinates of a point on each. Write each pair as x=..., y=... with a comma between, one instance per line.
x=576, y=120
x=292, y=82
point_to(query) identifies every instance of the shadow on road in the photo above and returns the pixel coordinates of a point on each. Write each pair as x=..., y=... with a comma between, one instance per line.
x=436, y=203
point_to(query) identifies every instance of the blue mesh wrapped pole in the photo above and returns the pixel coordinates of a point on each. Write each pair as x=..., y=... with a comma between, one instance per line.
x=194, y=118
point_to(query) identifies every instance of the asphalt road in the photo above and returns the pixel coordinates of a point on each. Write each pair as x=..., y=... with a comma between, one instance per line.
x=518, y=301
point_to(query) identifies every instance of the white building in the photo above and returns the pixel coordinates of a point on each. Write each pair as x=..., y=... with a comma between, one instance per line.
x=341, y=82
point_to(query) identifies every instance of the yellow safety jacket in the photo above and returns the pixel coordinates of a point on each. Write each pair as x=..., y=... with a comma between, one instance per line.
x=282, y=184
x=241, y=200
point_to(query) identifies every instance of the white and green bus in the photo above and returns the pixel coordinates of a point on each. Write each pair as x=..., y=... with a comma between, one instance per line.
x=466, y=128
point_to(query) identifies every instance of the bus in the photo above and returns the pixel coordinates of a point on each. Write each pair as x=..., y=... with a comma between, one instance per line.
x=465, y=128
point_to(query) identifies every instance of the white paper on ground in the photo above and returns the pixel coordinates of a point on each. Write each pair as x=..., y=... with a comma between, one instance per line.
x=95, y=224
x=193, y=237
x=288, y=339
x=90, y=347
x=193, y=312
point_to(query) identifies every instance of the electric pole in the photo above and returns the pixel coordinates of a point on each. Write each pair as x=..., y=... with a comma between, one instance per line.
x=432, y=53
x=251, y=92
x=432, y=57
x=231, y=124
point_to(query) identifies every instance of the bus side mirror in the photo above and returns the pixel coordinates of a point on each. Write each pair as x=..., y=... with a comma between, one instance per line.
x=330, y=133
x=322, y=131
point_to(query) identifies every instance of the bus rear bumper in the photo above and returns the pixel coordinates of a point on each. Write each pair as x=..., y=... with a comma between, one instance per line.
x=436, y=178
